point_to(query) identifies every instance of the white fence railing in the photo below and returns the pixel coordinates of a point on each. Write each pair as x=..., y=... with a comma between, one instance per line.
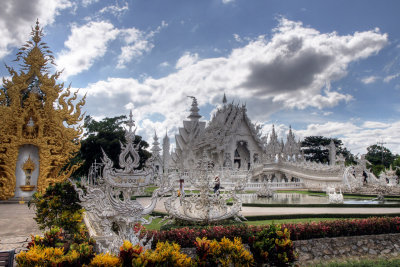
x=251, y=186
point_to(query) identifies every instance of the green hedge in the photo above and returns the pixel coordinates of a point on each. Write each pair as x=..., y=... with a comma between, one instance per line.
x=321, y=205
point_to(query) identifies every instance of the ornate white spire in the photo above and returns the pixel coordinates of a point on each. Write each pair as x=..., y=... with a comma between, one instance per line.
x=194, y=115
x=156, y=148
x=129, y=135
x=224, y=101
x=166, y=154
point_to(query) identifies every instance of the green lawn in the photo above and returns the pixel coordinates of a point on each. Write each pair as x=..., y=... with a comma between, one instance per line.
x=264, y=222
x=367, y=262
x=305, y=192
x=155, y=224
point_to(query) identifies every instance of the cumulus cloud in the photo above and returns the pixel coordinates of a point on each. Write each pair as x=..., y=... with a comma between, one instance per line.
x=357, y=137
x=186, y=60
x=17, y=17
x=369, y=79
x=85, y=44
x=294, y=69
x=90, y=41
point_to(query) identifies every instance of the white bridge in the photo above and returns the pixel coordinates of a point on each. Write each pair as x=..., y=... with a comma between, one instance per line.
x=273, y=185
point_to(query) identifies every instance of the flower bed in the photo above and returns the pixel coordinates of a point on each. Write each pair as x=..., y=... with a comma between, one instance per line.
x=186, y=236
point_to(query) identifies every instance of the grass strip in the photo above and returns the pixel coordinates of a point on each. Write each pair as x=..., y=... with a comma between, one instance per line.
x=303, y=216
x=376, y=262
x=321, y=205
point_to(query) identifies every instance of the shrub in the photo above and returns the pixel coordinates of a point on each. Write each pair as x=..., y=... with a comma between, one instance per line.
x=47, y=256
x=128, y=252
x=52, y=238
x=73, y=254
x=186, y=236
x=273, y=246
x=165, y=254
x=58, y=206
x=105, y=260
x=370, y=226
x=223, y=253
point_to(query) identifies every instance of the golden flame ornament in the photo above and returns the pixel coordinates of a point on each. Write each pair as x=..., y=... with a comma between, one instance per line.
x=36, y=110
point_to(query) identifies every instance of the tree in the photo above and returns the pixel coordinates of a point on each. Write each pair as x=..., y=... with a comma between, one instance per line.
x=396, y=164
x=379, y=155
x=315, y=148
x=105, y=134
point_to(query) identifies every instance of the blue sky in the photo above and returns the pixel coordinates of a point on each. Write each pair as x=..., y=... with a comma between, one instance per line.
x=324, y=67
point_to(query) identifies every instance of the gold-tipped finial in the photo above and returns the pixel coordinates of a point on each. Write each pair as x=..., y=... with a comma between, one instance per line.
x=37, y=33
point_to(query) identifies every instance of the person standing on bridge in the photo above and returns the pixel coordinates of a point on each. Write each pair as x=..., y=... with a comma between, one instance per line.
x=217, y=184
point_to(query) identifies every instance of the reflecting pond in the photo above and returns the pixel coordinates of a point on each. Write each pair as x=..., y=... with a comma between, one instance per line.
x=296, y=198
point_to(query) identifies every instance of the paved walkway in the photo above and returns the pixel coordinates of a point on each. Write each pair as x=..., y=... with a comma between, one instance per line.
x=16, y=226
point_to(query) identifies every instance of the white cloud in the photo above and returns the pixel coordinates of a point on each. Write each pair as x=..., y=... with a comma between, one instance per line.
x=17, y=18
x=116, y=10
x=357, y=138
x=237, y=38
x=137, y=43
x=86, y=3
x=164, y=64
x=375, y=124
x=294, y=69
x=391, y=77
x=227, y=1
x=186, y=60
x=369, y=79
x=85, y=44
x=89, y=42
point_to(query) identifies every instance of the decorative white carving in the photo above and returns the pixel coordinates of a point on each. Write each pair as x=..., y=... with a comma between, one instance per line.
x=334, y=198
x=205, y=207
x=107, y=199
x=266, y=190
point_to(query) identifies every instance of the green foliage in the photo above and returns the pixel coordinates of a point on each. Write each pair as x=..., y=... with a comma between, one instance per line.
x=379, y=155
x=396, y=164
x=380, y=158
x=56, y=248
x=272, y=245
x=222, y=253
x=380, y=262
x=106, y=134
x=315, y=149
x=58, y=207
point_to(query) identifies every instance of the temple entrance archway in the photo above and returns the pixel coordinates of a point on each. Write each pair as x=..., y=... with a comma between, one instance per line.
x=242, y=156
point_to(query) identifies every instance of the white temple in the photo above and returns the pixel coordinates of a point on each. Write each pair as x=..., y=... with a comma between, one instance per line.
x=233, y=142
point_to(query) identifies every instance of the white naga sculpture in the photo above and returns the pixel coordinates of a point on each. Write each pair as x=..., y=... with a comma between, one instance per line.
x=266, y=190
x=390, y=176
x=205, y=206
x=334, y=198
x=107, y=200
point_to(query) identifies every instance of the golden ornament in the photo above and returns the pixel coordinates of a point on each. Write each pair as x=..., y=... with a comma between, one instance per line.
x=35, y=110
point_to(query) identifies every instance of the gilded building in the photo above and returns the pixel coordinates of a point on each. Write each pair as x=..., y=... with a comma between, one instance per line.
x=39, y=129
